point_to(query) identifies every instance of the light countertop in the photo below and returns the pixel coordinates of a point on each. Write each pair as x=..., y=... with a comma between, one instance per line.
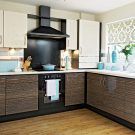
x=42, y=72
x=124, y=74
x=105, y=72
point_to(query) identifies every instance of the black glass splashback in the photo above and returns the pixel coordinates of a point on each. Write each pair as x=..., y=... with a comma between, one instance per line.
x=44, y=52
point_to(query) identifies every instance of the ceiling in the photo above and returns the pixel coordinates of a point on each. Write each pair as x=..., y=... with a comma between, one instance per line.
x=94, y=6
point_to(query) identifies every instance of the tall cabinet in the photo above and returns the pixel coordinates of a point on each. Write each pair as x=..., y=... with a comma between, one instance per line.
x=71, y=30
x=69, y=27
x=89, y=43
x=1, y=28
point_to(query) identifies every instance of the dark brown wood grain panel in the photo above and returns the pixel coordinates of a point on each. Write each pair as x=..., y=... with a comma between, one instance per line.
x=19, y=105
x=2, y=87
x=115, y=87
x=74, y=88
x=95, y=90
x=95, y=100
x=130, y=100
x=114, y=103
x=130, y=90
x=130, y=108
x=16, y=90
x=130, y=117
x=2, y=107
x=2, y=95
x=21, y=78
x=106, y=93
x=96, y=82
x=21, y=93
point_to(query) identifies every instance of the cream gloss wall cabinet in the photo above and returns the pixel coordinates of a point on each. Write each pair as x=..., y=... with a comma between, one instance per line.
x=89, y=39
x=14, y=29
x=71, y=30
x=1, y=28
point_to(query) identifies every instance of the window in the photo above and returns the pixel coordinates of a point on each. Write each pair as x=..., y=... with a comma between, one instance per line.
x=119, y=34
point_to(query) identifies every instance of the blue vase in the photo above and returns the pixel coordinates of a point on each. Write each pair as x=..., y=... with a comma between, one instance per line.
x=114, y=55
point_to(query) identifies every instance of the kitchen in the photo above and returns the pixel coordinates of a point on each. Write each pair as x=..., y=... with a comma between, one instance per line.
x=90, y=77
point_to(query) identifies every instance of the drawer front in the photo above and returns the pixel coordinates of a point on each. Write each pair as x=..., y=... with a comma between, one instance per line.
x=14, y=90
x=2, y=107
x=21, y=79
x=20, y=105
x=89, y=59
x=75, y=77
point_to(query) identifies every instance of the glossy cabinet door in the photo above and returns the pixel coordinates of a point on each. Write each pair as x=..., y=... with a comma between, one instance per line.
x=15, y=30
x=2, y=95
x=106, y=93
x=115, y=96
x=1, y=28
x=71, y=30
x=130, y=100
x=74, y=88
x=89, y=39
x=21, y=93
x=96, y=90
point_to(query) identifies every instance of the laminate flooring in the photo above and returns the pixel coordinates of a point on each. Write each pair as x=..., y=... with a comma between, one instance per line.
x=77, y=122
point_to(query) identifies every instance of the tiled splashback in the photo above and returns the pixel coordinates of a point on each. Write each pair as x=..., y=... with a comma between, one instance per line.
x=74, y=56
x=9, y=59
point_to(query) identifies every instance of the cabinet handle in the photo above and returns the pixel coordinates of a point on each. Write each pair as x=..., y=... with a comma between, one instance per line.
x=25, y=38
x=80, y=50
x=0, y=39
x=104, y=82
x=68, y=43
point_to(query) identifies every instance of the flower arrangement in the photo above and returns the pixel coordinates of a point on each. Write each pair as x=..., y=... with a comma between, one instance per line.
x=128, y=50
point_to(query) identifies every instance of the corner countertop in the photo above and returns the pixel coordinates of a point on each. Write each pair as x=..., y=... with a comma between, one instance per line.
x=124, y=74
x=105, y=72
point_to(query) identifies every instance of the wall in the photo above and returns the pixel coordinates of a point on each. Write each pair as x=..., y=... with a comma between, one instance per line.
x=114, y=15
x=29, y=9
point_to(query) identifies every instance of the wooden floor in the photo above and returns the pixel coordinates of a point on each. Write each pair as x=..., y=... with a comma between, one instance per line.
x=78, y=122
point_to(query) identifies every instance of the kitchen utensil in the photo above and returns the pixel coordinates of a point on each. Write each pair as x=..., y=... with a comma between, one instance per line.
x=49, y=67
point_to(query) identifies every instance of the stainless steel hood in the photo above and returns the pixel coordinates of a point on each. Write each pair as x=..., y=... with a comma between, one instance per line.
x=44, y=30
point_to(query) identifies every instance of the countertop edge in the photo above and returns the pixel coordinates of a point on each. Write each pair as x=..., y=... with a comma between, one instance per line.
x=104, y=72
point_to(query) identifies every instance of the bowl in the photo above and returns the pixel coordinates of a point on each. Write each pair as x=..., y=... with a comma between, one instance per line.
x=48, y=67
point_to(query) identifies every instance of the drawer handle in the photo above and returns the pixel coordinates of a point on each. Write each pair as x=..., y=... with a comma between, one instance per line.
x=25, y=39
x=14, y=79
x=0, y=39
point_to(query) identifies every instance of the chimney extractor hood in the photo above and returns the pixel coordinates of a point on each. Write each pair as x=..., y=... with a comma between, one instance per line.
x=44, y=30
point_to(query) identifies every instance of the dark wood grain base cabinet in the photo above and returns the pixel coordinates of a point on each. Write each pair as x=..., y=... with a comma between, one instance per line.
x=21, y=93
x=2, y=95
x=111, y=94
x=74, y=88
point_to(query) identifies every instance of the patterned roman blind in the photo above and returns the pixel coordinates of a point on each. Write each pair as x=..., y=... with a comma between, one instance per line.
x=121, y=32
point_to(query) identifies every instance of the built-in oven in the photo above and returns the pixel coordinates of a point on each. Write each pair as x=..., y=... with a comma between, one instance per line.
x=45, y=102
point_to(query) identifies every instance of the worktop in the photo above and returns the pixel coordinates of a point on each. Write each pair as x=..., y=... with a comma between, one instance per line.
x=124, y=74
